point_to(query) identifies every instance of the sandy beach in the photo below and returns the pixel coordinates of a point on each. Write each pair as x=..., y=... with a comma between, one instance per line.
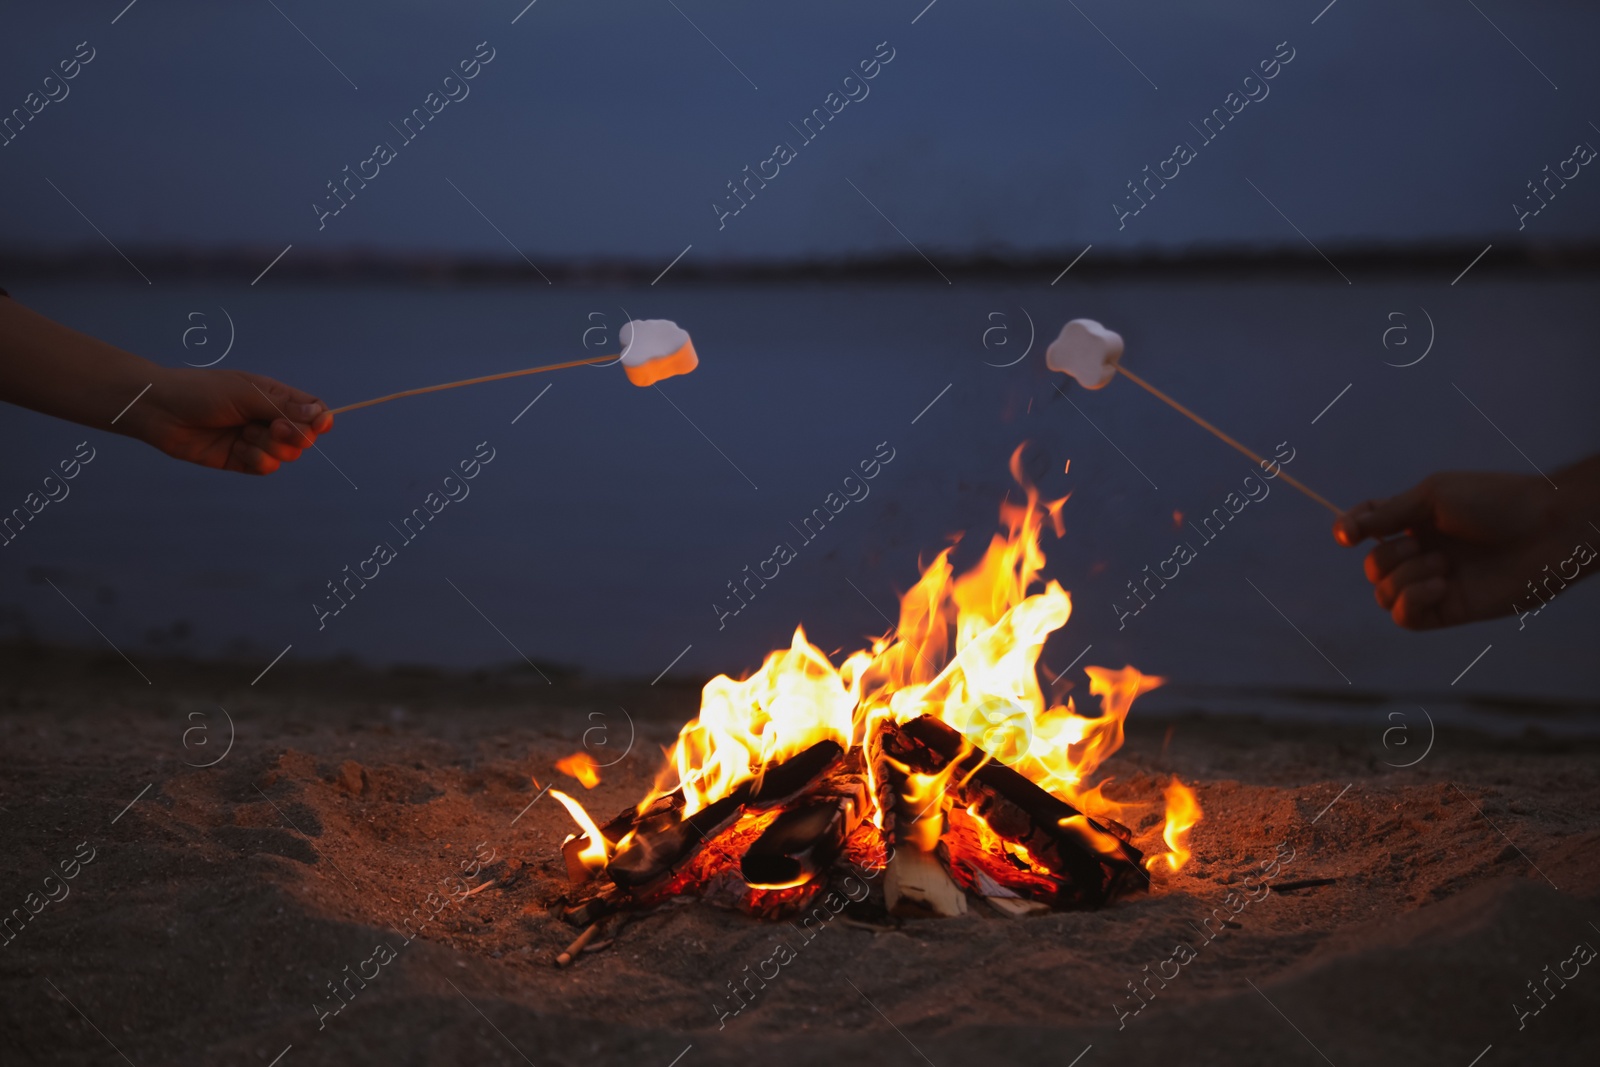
x=341, y=834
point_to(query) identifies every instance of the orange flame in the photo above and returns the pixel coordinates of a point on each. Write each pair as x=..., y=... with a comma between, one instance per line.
x=1183, y=812
x=580, y=765
x=594, y=855
x=965, y=650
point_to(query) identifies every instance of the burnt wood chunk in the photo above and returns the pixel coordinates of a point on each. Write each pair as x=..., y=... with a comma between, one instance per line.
x=662, y=812
x=595, y=908
x=918, y=885
x=577, y=873
x=807, y=836
x=980, y=866
x=663, y=841
x=1094, y=863
x=793, y=776
x=655, y=854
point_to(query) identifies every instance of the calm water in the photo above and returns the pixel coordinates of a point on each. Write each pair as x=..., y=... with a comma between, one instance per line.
x=605, y=530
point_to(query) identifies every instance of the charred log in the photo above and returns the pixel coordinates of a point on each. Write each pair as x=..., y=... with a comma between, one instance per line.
x=1094, y=864
x=980, y=866
x=916, y=882
x=655, y=854
x=661, y=813
x=597, y=907
x=665, y=841
x=807, y=836
x=794, y=776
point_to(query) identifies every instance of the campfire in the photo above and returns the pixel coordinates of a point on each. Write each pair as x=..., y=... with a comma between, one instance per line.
x=933, y=758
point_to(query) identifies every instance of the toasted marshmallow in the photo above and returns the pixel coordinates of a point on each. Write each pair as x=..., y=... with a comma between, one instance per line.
x=654, y=349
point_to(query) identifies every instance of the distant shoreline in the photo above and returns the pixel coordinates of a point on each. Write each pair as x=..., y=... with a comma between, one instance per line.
x=1362, y=261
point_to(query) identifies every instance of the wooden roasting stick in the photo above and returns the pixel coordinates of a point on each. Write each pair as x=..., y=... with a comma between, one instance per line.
x=1225, y=439
x=1091, y=355
x=471, y=381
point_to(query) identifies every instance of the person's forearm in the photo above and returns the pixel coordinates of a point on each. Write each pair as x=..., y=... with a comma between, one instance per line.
x=61, y=372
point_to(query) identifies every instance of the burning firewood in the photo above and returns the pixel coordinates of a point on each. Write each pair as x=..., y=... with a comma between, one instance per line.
x=661, y=813
x=779, y=770
x=653, y=855
x=785, y=781
x=1094, y=865
x=982, y=866
x=655, y=852
x=808, y=836
x=916, y=881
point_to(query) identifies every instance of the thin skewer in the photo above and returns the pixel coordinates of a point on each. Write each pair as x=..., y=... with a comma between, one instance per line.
x=471, y=381
x=1285, y=475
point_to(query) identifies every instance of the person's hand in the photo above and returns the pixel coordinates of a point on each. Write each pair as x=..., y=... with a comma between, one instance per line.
x=1469, y=544
x=228, y=419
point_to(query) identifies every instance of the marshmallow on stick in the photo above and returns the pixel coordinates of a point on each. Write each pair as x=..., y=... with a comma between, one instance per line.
x=652, y=350
x=1091, y=355
x=1086, y=351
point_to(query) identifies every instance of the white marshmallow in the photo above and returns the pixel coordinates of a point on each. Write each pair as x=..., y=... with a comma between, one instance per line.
x=653, y=349
x=1087, y=351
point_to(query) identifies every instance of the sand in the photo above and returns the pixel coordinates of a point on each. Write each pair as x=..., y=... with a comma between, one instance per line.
x=220, y=903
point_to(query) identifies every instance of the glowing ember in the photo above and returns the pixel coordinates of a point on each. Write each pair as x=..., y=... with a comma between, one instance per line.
x=965, y=652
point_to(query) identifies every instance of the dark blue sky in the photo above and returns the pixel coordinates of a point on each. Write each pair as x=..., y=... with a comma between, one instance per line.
x=615, y=519
x=610, y=129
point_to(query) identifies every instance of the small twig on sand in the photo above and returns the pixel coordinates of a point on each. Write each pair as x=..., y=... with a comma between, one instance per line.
x=571, y=952
x=1307, y=883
